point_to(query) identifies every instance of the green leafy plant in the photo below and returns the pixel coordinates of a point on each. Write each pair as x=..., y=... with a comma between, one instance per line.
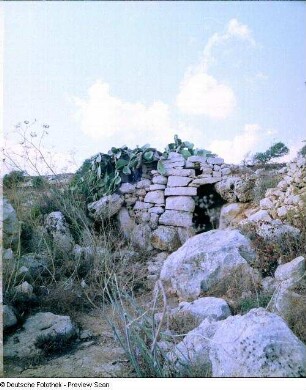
x=102, y=174
x=185, y=148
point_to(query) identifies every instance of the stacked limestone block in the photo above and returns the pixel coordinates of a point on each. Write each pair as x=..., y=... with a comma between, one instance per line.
x=166, y=203
x=212, y=170
x=290, y=194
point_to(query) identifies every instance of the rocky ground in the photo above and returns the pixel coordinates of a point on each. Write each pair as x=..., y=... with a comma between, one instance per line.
x=226, y=302
x=95, y=354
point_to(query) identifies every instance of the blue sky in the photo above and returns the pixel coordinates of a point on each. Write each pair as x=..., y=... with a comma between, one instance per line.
x=228, y=76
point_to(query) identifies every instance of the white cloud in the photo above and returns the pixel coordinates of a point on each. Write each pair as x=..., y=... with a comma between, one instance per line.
x=234, y=30
x=201, y=94
x=234, y=150
x=239, y=30
x=117, y=122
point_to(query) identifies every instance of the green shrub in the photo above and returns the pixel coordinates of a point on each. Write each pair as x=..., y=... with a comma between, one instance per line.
x=12, y=179
x=278, y=149
x=38, y=182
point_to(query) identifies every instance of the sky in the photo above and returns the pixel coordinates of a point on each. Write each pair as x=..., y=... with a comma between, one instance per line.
x=227, y=76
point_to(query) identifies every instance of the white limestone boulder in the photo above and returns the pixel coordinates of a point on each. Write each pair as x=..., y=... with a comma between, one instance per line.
x=41, y=326
x=205, y=260
x=105, y=207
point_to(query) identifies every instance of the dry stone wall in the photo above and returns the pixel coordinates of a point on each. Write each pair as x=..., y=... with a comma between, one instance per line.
x=168, y=200
x=289, y=196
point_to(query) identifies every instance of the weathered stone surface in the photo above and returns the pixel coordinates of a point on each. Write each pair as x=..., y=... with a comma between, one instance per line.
x=159, y=180
x=266, y=204
x=226, y=171
x=204, y=180
x=156, y=197
x=58, y=229
x=145, y=217
x=169, y=164
x=197, y=159
x=176, y=218
x=181, y=203
x=141, y=192
x=35, y=328
x=165, y=238
x=9, y=317
x=143, y=184
x=178, y=181
x=140, y=236
x=217, y=174
x=205, y=260
x=282, y=211
x=105, y=207
x=185, y=233
x=142, y=205
x=126, y=188
x=226, y=187
x=181, y=191
x=206, y=171
x=192, y=354
x=294, y=270
x=180, y=172
x=155, y=187
x=130, y=201
x=126, y=223
x=277, y=231
x=260, y=216
x=157, y=210
x=230, y=214
x=10, y=225
x=153, y=221
x=215, y=160
x=258, y=344
x=202, y=308
x=282, y=185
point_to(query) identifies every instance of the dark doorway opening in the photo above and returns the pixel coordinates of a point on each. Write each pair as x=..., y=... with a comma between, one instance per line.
x=207, y=210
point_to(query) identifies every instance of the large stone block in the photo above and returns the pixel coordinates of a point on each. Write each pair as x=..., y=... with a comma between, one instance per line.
x=176, y=218
x=181, y=191
x=204, y=180
x=105, y=207
x=180, y=172
x=178, y=181
x=156, y=197
x=180, y=203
